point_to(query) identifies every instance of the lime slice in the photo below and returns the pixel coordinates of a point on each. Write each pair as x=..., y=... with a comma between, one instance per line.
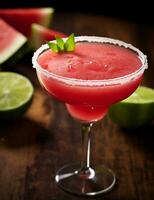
x=16, y=93
x=135, y=111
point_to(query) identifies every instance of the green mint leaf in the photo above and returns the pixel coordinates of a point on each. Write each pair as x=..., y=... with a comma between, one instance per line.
x=61, y=46
x=70, y=43
x=53, y=47
x=60, y=43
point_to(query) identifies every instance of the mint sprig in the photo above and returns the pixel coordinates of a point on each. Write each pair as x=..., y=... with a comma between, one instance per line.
x=60, y=44
x=63, y=46
x=70, y=43
x=53, y=47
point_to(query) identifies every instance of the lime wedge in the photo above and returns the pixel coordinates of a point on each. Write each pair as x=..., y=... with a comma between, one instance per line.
x=16, y=92
x=135, y=111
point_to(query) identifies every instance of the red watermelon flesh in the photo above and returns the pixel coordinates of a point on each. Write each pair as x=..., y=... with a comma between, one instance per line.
x=22, y=18
x=40, y=35
x=10, y=41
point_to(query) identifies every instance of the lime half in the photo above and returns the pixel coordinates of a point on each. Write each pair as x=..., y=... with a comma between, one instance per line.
x=16, y=93
x=135, y=111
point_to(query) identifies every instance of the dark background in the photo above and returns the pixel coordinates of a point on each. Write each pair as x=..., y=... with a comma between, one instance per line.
x=140, y=11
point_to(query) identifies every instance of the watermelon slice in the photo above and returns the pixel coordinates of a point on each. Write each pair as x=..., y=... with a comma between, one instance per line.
x=10, y=41
x=22, y=18
x=40, y=34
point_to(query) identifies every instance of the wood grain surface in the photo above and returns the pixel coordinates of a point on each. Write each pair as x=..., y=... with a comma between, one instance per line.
x=34, y=147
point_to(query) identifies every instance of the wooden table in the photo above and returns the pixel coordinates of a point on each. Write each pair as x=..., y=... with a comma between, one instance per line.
x=34, y=147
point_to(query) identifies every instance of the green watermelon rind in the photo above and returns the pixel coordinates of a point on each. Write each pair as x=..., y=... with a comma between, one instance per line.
x=37, y=41
x=12, y=48
x=17, y=56
x=47, y=16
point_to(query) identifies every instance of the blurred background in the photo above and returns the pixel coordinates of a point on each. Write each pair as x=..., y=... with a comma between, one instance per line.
x=140, y=11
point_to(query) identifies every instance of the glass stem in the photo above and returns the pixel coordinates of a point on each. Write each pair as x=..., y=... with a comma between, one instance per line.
x=85, y=163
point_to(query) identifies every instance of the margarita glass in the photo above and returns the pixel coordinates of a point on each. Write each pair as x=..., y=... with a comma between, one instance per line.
x=87, y=97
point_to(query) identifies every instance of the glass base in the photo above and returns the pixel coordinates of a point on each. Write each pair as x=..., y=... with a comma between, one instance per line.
x=85, y=182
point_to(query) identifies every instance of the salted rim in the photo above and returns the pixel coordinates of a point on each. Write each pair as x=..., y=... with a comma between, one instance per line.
x=82, y=82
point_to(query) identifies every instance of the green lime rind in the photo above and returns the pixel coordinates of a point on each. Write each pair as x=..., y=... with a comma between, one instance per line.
x=135, y=111
x=16, y=92
x=142, y=95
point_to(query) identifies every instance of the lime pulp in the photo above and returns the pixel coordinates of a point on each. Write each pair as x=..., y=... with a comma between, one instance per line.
x=16, y=92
